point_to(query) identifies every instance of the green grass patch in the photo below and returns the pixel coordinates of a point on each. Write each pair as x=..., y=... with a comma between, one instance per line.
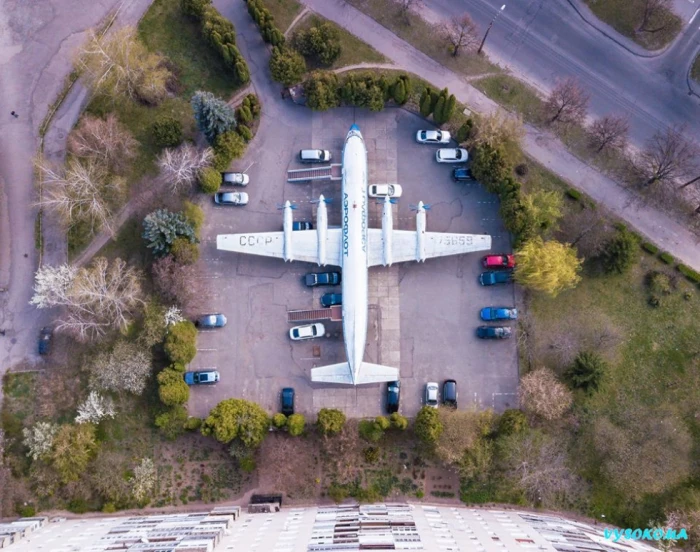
x=513, y=94
x=625, y=16
x=128, y=244
x=353, y=50
x=284, y=12
x=695, y=71
x=424, y=36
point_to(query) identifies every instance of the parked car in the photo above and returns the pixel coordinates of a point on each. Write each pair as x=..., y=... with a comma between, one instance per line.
x=234, y=178
x=493, y=332
x=45, y=336
x=433, y=137
x=231, y=198
x=308, y=331
x=451, y=155
x=431, y=394
x=314, y=156
x=330, y=299
x=498, y=261
x=210, y=321
x=449, y=393
x=462, y=174
x=287, y=401
x=490, y=314
x=493, y=277
x=393, y=393
x=313, y=279
x=302, y=225
x=202, y=377
x=385, y=190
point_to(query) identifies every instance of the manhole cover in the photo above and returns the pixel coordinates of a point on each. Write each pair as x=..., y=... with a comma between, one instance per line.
x=317, y=351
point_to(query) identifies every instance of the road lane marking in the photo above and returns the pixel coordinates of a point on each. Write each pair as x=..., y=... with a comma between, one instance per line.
x=693, y=18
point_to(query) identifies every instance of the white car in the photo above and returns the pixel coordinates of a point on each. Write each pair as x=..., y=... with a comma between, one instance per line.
x=384, y=190
x=231, y=198
x=431, y=394
x=234, y=178
x=451, y=155
x=433, y=137
x=307, y=332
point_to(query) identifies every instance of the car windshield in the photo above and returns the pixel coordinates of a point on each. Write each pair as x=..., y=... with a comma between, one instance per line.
x=390, y=190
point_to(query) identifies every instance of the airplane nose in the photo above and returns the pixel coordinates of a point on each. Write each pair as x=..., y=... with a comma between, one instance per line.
x=355, y=127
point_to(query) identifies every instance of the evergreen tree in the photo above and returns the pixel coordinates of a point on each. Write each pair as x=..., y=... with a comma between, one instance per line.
x=287, y=66
x=161, y=228
x=399, y=92
x=587, y=372
x=213, y=115
x=426, y=104
x=437, y=112
x=621, y=252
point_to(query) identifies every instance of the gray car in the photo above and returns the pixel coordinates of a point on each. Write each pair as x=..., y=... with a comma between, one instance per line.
x=210, y=321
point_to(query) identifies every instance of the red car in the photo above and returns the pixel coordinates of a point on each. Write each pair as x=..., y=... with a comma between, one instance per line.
x=498, y=261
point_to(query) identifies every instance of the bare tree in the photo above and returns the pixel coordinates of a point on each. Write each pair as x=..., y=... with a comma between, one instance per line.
x=461, y=33
x=609, y=132
x=654, y=10
x=542, y=394
x=97, y=299
x=567, y=103
x=175, y=282
x=586, y=230
x=106, y=141
x=503, y=131
x=180, y=167
x=668, y=155
x=405, y=6
x=120, y=64
x=126, y=367
x=83, y=191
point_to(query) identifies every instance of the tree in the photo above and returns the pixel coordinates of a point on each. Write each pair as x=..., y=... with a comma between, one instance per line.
x=185, y=252
x=405, y=7
x=503, y=132
x=143, y=483
x=95, y=408
x=543, y=208
x=426, y=103
x=609, y=132
x=321, y=90
x=461, y=429
x=227, y=147
x=194, y=8
x=511, y=421
x=172, y=422
x=82, y=192
x=461, y=33
x=371, y=430
x=126, y=367
x=161, y=228
x=73, y=448
x=398, y=421
x=543, y=395
x=172, y=389
x=654, y=11
x=465, y=131
x=668, y=155
x=105, y=141
x=399, y=92
x=39, y=439
x=550, y=267
x=119, y=64
x=181, y=342
x=488, y=166
x=321, y=42
x=167, y=132
x=153, y=325
x=437, y=111
x=586, y=372
x=180, y=167
x=97, y=299
x=330, y=421
x=584, y=229
x=287, y=65
x=621, y=252
x=209, y=180
x=213, y=115
x=428, y=426
x=567, y=103
x=175, y=282
x=296, y=424
x=194, y=214
x=237, y=418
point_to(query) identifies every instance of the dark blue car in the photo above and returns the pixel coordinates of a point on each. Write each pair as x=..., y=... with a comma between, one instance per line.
x=493, y=277
x=330, y=299
x=462, y=174
x=493, y=332
x=288, y=401
x=393, y=394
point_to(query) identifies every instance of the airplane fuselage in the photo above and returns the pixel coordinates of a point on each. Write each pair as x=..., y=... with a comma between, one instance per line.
x=355, y=215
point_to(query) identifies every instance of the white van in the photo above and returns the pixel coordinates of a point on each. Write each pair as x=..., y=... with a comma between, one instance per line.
x=314, y=156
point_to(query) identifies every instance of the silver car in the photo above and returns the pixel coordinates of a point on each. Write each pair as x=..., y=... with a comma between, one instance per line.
x=231, y=198
x=433, y=137
x=234, y=178
x=451, y=155
x=431, y=394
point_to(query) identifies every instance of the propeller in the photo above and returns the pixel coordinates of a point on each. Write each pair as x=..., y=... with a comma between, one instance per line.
x=392, y=200
x=325, y=200
x=425, y=206
x=291, y=205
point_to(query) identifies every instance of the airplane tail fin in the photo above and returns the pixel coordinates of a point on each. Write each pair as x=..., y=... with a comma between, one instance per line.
x=341, y=373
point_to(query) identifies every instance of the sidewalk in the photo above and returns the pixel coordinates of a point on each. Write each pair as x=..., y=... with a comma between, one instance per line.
x=546, y=149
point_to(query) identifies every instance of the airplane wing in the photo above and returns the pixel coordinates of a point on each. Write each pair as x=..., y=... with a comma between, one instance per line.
x=408, y=245
x=302, y=245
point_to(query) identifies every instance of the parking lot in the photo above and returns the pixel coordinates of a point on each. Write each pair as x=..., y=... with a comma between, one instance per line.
x=422, y=317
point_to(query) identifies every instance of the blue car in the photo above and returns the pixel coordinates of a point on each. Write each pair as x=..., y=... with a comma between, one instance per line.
x=203, y=377
x=499, y=313
x=493, y=277
x=462, y=174
x=330, y=299
x=288, y=401
x=210, y=321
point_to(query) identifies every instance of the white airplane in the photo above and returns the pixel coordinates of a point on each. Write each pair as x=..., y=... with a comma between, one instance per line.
x=354, y=247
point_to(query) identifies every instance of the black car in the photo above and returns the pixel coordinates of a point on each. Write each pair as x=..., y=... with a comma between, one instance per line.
x=493, y=277
x=45, y=340
x=302, y=225
x=330, y=299
x=462, y=174
x=449, y=393
x=288, y=401
x=393, y=393
x=493, y=332
x=313, y=279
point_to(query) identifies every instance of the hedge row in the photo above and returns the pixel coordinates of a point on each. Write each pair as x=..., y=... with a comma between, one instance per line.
x=265, y=22
x=650, y=248
x=573, y=194
x=667, y=258
x=689, y=273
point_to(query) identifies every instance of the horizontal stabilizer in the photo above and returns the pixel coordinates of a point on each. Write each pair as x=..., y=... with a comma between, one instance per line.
x=341, y=373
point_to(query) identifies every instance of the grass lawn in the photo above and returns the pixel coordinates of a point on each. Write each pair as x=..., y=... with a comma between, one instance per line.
x=695, y=71
x=625, y=16
x=514, y=95
x=423, y=36
x=353, y=50
x=284, y=12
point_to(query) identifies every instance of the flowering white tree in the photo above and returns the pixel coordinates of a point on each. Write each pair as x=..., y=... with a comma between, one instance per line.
x=95, y=408
x=144, y=481
x=180, y=167
x=126, y=368
x=173, y=316
x=39, y=439
x=541, y=393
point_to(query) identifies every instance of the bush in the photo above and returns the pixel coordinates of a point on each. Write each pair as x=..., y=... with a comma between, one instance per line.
x=587, y=372
x=287, y=66
x=337, y=493
x=371, y=455
x=650, y=248
x=399, y=92
x=621, y=252
x=279, y=420
x=512, y=421
x=489, y=167
x=194, y=8
x=245, y=132
x=321, y=42
x=428, y=426
x=181, y=342
x=221, y=36
x=172, y=422
x=26, y=510
x=522, y=169
x=464, y=132
x=253, y=103
x=184, y=251
x=193, y=423
x=330, y=421
x=237, y=419
x=573, y=194
x=398, y=421
x=659, y=283
x=363, y=91
x=172, y=389
x=209, y=180
x=426, y=103
x=321, y=91
x=296, y=424
x=689, y=273
x=77, y=506
x=247, y=464
x=167, y=132
x=667, y=258
x=109, y=508
x=370, y=430
x=228, y=146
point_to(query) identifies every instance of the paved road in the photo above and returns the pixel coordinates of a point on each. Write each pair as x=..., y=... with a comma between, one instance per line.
x=543, y=40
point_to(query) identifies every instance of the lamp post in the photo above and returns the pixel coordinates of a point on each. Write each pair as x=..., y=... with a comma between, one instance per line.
x=499, y=12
